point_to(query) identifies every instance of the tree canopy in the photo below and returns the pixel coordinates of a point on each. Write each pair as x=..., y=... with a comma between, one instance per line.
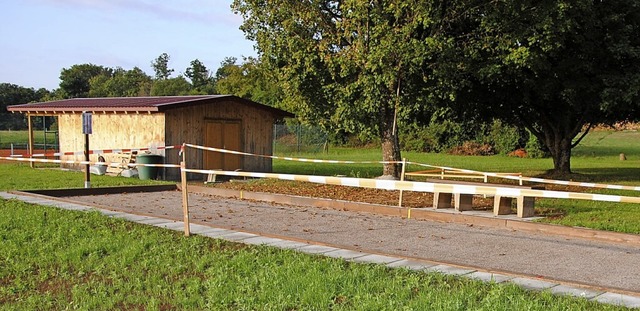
x=353, y=65
x=161, y=67
x=554, y=67
x=120, y=83
x=557, y=68
x=200, y=77
x=75, y=80
x=248, y=80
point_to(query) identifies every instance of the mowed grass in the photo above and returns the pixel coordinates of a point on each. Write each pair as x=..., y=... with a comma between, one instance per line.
x=52, y=259
x=21, y=138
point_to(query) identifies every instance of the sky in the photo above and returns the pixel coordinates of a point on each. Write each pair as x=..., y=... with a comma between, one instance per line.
x=38, y=38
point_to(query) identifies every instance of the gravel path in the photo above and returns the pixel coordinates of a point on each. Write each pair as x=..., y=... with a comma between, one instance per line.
x=497, y=250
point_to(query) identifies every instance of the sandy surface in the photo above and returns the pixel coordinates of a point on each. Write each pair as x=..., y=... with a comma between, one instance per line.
x=499, y=250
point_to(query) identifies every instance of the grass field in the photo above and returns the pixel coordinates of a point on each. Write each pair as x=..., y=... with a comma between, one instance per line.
x=52, y=259
x=21, y=139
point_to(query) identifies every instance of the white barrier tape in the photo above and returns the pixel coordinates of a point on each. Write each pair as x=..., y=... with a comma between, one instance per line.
x=427, y=186
x=497, y=175
x=103, y=151
x=112, y=164
x=289, y=158
x=533, y=179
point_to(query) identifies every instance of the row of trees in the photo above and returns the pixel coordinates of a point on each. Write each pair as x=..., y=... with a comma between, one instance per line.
x=90, y=80
x=555, y=67
x=11, y=94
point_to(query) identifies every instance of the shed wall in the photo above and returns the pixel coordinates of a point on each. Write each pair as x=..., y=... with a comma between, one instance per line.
x=188, y=124
x=111, y=131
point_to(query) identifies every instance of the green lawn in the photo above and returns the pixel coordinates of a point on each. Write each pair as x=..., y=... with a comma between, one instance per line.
x=21, y=138
x=52, y=259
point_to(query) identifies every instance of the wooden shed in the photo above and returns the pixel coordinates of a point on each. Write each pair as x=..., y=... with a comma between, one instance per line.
x=220, y=121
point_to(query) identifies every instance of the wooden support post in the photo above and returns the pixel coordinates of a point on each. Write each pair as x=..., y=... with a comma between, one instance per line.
x=463, y=201
x=525, y=206
x=501, y=205
x=404, y=165
x=185, y=195
x=442, y=200
x=30, y=147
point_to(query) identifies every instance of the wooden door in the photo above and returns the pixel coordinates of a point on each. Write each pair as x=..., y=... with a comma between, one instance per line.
x=223, y=134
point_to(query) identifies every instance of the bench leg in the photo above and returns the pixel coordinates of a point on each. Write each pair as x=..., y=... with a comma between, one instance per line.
x=441, y=200
x=501, y=205
x=526, y=207
x=463, y=202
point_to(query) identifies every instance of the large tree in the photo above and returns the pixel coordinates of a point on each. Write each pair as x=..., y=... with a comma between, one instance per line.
x=161, y=67
x=556, y=67
x=74, y=81
x=353, y=65
x=201, y=79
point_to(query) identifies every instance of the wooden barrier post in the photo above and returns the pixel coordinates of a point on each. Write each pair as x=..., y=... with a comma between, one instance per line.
x=185, y=193
x=404, y=170
x=30, y=148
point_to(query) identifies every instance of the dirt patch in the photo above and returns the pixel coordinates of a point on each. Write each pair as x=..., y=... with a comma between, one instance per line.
x=345, y=193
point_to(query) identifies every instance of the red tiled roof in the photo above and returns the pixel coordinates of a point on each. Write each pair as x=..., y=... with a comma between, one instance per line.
x=130, y=104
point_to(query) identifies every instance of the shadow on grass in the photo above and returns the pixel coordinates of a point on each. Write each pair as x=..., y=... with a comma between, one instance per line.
x=600, y=175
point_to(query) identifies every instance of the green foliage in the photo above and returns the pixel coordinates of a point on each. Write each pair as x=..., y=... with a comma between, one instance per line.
x=75, y=80
x=201, y=80
x=352, y=65
x=248, y=80
x=161, y=67
x=121, y=83
x=11, y=94
x=172, y=86
x=505, y=138
x=554, y=67
x=534, y=148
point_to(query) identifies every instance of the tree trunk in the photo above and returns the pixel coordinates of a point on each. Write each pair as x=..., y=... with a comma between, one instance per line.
x=560, y=151
x=390, y=144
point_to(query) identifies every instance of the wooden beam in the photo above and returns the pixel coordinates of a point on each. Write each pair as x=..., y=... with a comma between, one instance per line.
x=30, y=147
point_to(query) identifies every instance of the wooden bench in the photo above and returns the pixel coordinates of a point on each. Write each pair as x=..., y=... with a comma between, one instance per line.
x=444, y=173
x=501, y=203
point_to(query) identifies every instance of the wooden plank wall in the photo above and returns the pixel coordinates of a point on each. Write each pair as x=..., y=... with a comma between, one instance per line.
x=111, y=131
x=187, y=125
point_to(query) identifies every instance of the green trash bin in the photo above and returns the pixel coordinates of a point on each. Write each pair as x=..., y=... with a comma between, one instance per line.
x=148, y=172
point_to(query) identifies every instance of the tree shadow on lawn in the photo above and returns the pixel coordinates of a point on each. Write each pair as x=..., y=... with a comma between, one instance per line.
x=599, y=175
x=604, y=151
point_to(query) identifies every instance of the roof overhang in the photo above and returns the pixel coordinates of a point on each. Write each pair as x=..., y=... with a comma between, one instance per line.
x=133, y=105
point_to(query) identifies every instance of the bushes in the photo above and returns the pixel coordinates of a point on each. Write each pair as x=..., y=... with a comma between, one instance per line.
x=505, y=138
x=469, y=138
x=436, y=137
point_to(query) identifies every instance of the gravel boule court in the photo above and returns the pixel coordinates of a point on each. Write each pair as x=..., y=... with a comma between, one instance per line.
x=606, y=272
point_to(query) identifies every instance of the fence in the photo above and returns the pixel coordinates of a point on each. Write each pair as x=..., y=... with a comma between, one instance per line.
x=18, y=140
x=289, y=138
